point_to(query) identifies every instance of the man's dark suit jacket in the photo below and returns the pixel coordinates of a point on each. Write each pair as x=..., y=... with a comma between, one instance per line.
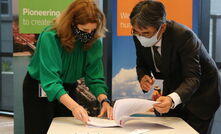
x=187, y=69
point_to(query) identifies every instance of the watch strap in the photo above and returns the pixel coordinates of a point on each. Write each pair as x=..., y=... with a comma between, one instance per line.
x=105, y=100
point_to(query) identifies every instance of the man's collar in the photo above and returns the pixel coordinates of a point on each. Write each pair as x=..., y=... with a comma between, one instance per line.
x=159, y=43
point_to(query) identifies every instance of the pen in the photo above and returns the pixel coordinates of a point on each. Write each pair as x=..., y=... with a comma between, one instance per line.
x=155, y=96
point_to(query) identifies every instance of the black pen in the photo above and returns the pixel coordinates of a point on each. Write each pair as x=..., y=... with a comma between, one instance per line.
x=157, y=88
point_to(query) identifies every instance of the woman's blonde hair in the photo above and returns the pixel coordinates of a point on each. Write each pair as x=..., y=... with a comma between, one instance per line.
x=79, y=12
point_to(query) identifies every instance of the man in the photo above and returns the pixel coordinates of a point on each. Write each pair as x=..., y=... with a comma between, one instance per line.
x=172, y=52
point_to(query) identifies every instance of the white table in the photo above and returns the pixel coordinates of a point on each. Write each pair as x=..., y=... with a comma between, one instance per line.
x=69, y=125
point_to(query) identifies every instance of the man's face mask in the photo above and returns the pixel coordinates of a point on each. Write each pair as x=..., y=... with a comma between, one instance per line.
x=148, y=42
x=82, y=36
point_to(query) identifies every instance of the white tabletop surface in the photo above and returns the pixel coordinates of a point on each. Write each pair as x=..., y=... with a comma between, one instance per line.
x=69, y=125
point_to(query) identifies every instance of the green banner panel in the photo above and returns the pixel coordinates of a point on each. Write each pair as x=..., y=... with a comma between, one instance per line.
x=34, y=15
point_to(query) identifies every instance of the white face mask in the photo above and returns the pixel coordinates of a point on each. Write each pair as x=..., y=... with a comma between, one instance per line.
x=148, y=42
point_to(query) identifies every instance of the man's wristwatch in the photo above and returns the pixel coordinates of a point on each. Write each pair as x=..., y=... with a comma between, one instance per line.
x=105, y=100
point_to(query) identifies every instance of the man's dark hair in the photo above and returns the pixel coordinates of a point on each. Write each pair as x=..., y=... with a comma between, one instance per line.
x=148, y=13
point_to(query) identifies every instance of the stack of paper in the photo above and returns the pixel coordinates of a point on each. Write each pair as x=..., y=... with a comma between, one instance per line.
x=122, y=110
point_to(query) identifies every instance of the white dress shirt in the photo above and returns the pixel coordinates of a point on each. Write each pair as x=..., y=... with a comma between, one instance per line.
x=175, y=97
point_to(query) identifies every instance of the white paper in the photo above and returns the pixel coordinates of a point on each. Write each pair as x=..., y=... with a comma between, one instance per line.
x=122, y=110
x=127, y=107
x=139, y=131
x=99, y=122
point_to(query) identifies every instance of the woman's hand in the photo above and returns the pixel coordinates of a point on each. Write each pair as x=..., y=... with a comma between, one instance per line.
x=106, y=108
x=80, y=113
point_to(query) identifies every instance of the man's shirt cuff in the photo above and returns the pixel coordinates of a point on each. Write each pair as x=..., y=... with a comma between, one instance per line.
x=176, y=99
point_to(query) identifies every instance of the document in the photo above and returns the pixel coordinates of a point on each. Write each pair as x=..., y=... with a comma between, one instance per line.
x=122, y=110
x=140, y=131
x=99, y=122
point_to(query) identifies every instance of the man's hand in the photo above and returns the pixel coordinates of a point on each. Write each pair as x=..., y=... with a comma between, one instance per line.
x=106, y=108
x=164, y=105
x=146, y=82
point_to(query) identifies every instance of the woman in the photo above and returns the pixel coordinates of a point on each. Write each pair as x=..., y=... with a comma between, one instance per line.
x=66, y=51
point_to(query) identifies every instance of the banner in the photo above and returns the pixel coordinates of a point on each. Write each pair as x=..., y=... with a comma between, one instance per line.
x=34, y=15
x=123, y=13
x=180, y=11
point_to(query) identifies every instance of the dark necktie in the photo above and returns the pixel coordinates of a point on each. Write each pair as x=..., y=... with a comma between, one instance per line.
x=157, y=57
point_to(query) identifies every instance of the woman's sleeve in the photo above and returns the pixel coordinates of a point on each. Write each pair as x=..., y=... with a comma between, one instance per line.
x=94, y=72
x=50, y=66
